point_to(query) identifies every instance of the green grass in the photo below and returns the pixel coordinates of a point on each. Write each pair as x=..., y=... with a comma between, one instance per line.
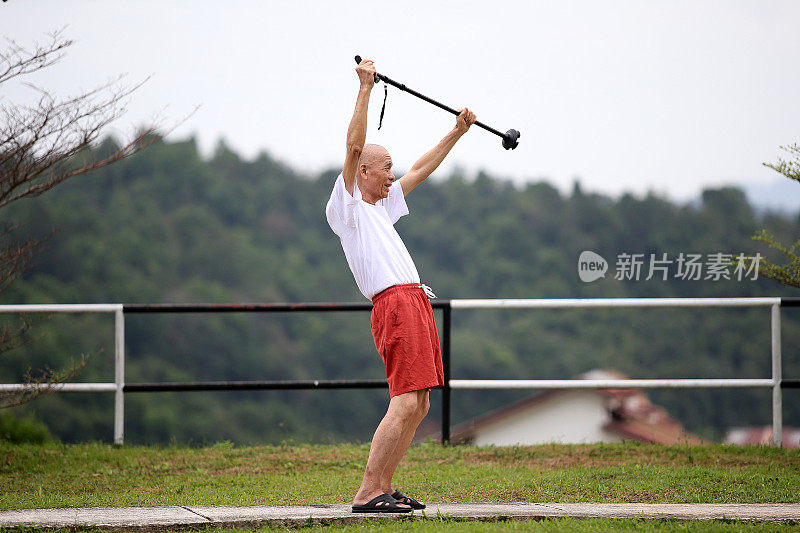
x=592, y=525
x=89, y=475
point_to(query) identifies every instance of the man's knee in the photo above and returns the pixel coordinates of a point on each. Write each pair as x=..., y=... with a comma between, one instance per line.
x=423, y=403
x=405, y=406
x=411, y=405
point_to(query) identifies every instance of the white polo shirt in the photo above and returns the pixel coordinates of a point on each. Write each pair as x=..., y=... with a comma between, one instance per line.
x=375, y=253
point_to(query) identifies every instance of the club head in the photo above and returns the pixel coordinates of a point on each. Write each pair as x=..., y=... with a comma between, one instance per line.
x=511, y=139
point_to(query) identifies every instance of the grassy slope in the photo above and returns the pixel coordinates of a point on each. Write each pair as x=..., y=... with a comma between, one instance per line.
x=99, y=475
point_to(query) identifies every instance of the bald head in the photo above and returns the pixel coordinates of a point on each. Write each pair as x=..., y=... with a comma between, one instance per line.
x=371, y=154
x=374, y=174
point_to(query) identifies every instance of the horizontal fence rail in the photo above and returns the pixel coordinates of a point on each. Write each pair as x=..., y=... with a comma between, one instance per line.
x=571, y=303
x=119, y=387
x=259, y=385
x=257, y=308
x=59, y=387
x=610, y=383
x=61, y=308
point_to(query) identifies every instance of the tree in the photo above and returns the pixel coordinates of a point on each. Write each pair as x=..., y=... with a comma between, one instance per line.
x=789, y=273
x=41, y=145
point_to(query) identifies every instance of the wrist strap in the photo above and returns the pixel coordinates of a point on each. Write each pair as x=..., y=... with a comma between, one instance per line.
x=383, y=107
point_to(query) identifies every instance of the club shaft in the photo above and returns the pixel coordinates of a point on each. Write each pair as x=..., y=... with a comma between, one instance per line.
x=402, y=87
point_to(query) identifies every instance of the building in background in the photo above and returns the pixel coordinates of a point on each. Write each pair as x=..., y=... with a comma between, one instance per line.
x=762, y=435
x=574, y=416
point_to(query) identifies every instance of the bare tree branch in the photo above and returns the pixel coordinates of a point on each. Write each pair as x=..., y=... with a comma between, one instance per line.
x=15, y=257
x=16, y=336
x=41, y=145
x=38, y=144
x=45, y=382
x=17, y=60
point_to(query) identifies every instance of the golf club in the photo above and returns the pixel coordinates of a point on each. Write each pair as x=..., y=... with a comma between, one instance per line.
x=510, y=138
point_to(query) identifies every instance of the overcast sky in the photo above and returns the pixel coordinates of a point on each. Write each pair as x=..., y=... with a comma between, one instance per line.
x=625, y=96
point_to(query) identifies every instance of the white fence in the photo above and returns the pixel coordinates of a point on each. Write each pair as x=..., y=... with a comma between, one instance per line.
x=119, y=356
x=774, y=382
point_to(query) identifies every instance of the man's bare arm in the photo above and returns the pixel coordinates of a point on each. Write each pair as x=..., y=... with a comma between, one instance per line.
x=357, y=131
x=426, y=164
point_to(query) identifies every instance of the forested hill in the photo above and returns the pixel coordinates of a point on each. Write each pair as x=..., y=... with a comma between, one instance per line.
x=168, y=226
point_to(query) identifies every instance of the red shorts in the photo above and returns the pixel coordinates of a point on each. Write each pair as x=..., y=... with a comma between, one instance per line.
x=406, y=337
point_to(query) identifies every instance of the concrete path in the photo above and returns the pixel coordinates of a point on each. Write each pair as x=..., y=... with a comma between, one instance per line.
x=147, y=519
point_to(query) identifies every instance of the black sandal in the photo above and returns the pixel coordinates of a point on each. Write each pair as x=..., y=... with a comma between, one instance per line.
x=402, y=498
x=381, y=504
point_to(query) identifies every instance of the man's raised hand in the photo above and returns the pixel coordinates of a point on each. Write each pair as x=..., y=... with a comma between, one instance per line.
x=366, y=73
x=357, y=130
x=466, y=118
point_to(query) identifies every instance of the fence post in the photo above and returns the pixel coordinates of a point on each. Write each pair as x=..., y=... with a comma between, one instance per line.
x=446, y=371
x=119, y=376
x=777, y=406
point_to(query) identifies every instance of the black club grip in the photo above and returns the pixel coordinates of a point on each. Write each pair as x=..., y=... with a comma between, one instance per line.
x=358, y=62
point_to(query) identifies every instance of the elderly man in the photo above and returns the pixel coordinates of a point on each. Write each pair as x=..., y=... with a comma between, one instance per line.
x=365, y=203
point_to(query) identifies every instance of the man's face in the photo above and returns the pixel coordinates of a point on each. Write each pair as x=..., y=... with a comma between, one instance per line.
x=375, y=176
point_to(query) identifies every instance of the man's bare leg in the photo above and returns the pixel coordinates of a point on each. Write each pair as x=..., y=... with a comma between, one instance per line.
x=423, y=403
x=403, y=409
